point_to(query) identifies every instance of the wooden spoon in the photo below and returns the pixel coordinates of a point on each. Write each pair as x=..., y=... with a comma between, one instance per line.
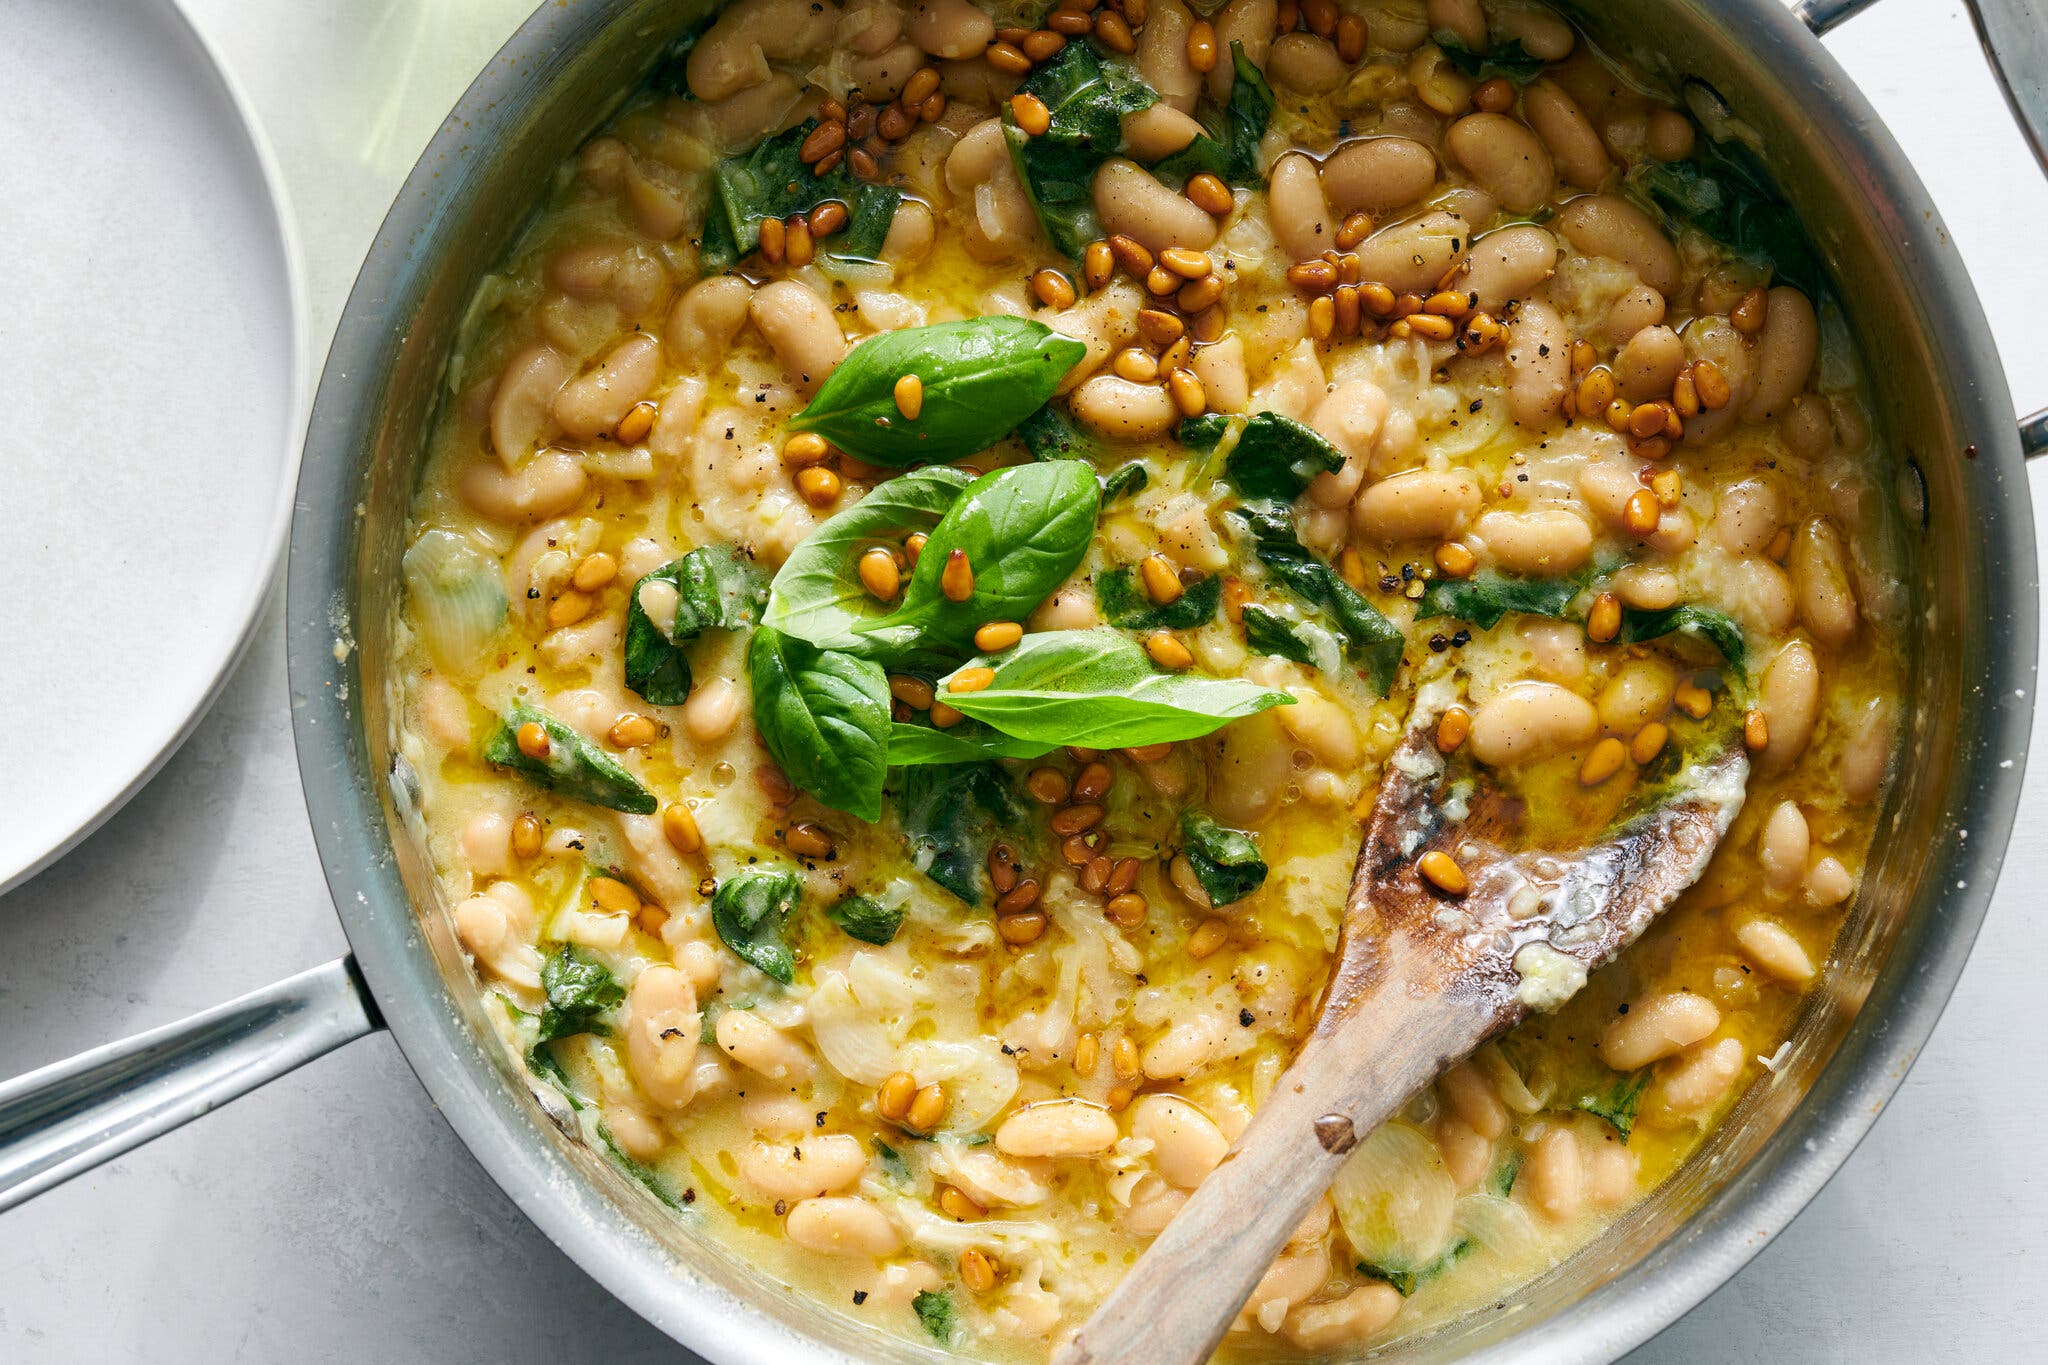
x=1422, y=978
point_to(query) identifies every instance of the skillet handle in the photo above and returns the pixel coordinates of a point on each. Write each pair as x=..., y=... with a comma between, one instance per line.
x=72, y=1115
x=2015, y=38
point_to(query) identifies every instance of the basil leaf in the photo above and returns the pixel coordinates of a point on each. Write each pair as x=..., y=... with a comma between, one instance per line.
x=1618, y=1103
x=574, y=766
x=1050, y=434
x=714, y=587
x=1097, y=689
x=1500, y=1182
x=824, y=717
x=578, y=991
x=1509, y=59
x=1701, y=623
x=1407, y=1281
x=639, y=1170
x=817, y=595
x=950, y=816
x=1087, y=93
x=1725, y=191
x=1268, y=632
x=1485, y=598
x=1226, y=861
x=935, y=1310
x=1228, y=146
x=772, y=181
x=867, y=920
x=1203, y=433
x=981, y=377
x=1024, y=529
x=915, y=745
x=1276, y=457
x=750, y=910
x=1125, y=605
x=1373, y=640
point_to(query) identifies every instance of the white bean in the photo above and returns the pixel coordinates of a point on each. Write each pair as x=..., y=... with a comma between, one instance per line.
x=1542, y=543
x=551, y=482
x=881, y=77
x=755, y=1043
x=1782, y=845
x=661, y=1027
x=1649, y=364
x=1057, y=1128
x=1789, y=698
x=1612, y=1178
x=868, y=26
x=1529, y=721
x=1827, y=599
x=1410, y=257
x=487, y=844
x=1640, y=307
x=1121, y=409
x=842, y=1225
x=1250, y=771
x=1183, y=1048
x=1463, y=19
x=1473, y=1100
x=1867, y=749
x=1304, y=62
x=1350, y=415
x=1418, y=504
x=1540, y=32
x=1509, y=263
x=737, y=122
x=1324, y=728
x=1159, y=130
x=1556, y=1175
x=1785, y=351
x=1467, y=1154
x=1162, y=56
x=1639, y=692
x=801, y=329
x=593, y=404
x=1646, y=587
x=1772, y=947
x=1565, y=129
x=711, y=710
x=1251, y=22
x=1295, y=204
x=1610, y=226
x=1747, y=516
x=1358, y=1316
x=1153, y=1205
x=497, y=925
x=1507, y=160
x=1657, y=1027
x=1220, y=367
x=1186, y=1146
x=706, y=319
x=803, y=1170
x=1828, y=882
x=911, y=233
x=1130, y=201
x=523, y=403
x=1539, y=364
x=1378, y=174
x=734, y=52
x=1702, y=1077
x=952, y=29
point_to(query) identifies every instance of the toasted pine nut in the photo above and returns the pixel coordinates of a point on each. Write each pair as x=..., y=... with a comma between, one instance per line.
x=1604, y=762
x=808, y=840
x=879, y=574
x=568, y=609
x=997, y=636
x=1098, y=263
x=1451, y=728
x=910, y=396
x=1161, y=579
x=1648, y=742
x=526, y=836
x=533, y=740
x=1441, y=870
x=1756, y=731
x=819, y=486
x=1054, y=290
x=926, y=1109
x=1603, y=622
x=1208, y=936
x=892, y=1099
x=956, y=579
x=1030, y=113
x=1048, y=786
x=1209, y=194
x=1168, y=652
x=971, y=679
x=631, y=731
x=679, y=823
x=1454, y=560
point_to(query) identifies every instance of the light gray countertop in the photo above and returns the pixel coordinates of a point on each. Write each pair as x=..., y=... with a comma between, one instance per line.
x=334, y=1217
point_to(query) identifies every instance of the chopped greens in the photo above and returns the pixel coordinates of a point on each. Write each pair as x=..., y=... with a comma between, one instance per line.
x=1618, y=1102
x=1268, y=632
x=1050, y=434
x=1276, y=457
x=1087, y=93
x=750, y=910
x=1725, y=191
x=772, y=181
x=1125, y=605
x=714, y=588
x=1485, y=598
x=1408, y=1281
x=1500, y=1181
x=1509, y=59
x=950, y=816
x=578, y=991
x=1374, y=641
x=1701, y=623
x=1123, y=481
x=639, y=1170
x=1226, y=861
x=935, y=1311
x=1204, y=433
x=893, y=1164
x=867, y=920
x=572, y=766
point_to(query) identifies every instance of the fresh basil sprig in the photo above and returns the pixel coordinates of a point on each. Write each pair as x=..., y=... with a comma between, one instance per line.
x=818, y=596
x=824, y=716
x=1375, y=641
x=750, y=910
x=1226, y=861
x=574, y=766
x=1124, y=603
x=980, y=378
x=917, y=745
x=1276, y=457
x=1097, y=689
x=1086, y=93
x=714, y=588
x=950, y=817
x=1023, y=530
x=1229, y=143
x=867, y=920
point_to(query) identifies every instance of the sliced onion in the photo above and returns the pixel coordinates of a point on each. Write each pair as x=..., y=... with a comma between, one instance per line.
x=1395, y=1200
x=457, y=596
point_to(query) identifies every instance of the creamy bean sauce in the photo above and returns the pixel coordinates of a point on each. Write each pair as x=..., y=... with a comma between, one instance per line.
x=936, y=527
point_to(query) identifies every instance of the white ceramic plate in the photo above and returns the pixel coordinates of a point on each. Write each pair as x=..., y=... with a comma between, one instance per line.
x=154, y=394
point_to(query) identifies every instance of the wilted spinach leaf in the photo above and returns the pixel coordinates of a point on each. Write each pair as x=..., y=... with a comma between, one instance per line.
x=1087, y=93
x=1509, y=59
x=1485, y=598
x=714, y=588
x=1276, y=457
x=1408, y=1281
x=1226, y=861
x=1229, y=143
x=950, y=816
x=935, y=1310
x=1618, y=1102
x=1375, y=642
x=573, y=767
x=1123, y=481
x=1050, y=434
x=1125, y=605
x=772, y=181
x=867, y=920
x=578, y=991
x=750, y=910
x=1701, y=623
x=1268, y=632
x=1725, y=192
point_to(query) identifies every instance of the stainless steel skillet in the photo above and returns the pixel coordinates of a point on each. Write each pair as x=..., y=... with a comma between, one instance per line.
x=1972, y=567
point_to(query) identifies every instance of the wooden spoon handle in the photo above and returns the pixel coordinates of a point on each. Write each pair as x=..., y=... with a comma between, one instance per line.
x=1359, y=1067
